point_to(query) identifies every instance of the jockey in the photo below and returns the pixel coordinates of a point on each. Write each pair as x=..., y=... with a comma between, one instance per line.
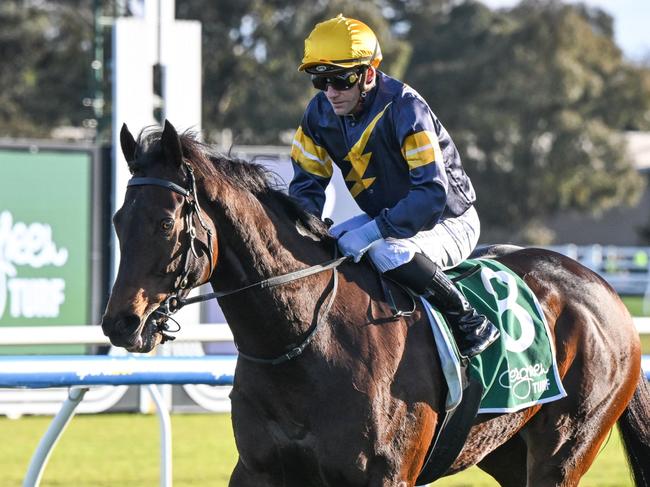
x=401, y=167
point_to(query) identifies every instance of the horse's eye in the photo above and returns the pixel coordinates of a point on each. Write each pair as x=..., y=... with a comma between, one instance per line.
x=167, y=224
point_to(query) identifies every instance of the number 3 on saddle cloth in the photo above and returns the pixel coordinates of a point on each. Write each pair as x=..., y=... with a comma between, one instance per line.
x=516, y=372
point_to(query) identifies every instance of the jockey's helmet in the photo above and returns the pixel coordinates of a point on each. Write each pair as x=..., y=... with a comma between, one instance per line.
x=340, y=44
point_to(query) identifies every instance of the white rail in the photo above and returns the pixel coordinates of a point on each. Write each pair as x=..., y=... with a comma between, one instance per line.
x=92, y=334
x=626, y=268
x=28, y=371
x=642, y=324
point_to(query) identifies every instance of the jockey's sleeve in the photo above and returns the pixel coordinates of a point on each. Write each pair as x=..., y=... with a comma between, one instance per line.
x=312, y=171
x=423, y=205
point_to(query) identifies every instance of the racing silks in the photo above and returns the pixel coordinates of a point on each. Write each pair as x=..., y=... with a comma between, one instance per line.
x=398, y=161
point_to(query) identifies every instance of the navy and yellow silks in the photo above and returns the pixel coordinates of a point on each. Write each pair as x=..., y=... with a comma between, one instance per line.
x=398, y=161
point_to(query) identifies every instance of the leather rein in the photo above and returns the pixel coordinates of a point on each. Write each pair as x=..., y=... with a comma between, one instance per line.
x=175, y=302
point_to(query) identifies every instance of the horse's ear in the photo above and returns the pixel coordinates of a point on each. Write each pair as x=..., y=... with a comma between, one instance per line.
x=128, y=143
x=171, y=144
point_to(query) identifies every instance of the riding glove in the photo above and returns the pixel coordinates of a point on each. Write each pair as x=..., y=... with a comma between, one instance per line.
x=350, y=224
x=354, y=243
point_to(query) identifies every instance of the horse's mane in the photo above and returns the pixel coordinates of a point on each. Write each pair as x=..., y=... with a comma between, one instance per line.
x=210, y=165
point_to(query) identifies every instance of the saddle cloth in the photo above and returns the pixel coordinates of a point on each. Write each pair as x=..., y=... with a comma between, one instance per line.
x=520, y=369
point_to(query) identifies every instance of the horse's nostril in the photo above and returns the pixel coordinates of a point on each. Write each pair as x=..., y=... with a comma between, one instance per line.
x=124, y=325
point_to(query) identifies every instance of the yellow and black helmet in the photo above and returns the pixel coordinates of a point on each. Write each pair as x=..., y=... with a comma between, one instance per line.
x=340, y=43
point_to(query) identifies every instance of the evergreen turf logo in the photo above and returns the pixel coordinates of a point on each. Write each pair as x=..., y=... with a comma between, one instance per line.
x=23, y=245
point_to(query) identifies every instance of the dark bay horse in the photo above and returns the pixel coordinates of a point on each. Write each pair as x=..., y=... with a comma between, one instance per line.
x=353, y=396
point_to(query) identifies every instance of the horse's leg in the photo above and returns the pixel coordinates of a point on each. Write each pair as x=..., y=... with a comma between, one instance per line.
x=244, y=477
x=507, y=464
x=564, y=437
x=634, y=426
x=563, y=440
x=258, y=462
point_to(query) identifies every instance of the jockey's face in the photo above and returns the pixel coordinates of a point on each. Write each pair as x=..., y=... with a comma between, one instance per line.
x=343, y=102
x=347, y=101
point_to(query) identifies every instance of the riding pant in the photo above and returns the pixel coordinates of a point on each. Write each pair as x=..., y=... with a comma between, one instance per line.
x=447, y=244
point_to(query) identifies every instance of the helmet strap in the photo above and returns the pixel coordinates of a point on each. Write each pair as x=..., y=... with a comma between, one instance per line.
x=362, y=82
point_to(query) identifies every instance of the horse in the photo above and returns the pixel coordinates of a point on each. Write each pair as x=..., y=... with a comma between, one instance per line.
x=331, y=386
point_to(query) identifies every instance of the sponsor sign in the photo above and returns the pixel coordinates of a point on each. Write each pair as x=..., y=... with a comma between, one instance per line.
x=45, y=238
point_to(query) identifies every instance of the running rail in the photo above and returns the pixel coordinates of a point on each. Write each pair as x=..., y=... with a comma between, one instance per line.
x=79, y=373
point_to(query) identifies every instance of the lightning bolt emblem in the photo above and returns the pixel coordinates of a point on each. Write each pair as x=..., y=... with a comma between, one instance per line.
x=360, y=161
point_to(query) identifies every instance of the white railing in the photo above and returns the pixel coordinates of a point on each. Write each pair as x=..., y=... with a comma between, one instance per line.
x=642, y=325
x=79, y=373
x=626, y=268
x=92, y=335
x=189, y=342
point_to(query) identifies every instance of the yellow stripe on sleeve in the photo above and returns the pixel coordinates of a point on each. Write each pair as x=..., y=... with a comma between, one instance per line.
x=311, y=157
x=421, y=148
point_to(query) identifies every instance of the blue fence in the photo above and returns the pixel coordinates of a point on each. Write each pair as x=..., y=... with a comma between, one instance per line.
x=94, y=370
x=40, y=371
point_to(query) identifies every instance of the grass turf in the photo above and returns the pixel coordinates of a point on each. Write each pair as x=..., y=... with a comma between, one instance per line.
x=123, y=450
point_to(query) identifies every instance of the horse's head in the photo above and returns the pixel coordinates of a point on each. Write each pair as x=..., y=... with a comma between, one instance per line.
x=167, y=244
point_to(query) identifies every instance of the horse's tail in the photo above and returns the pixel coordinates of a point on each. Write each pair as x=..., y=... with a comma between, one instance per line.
x=634, y=426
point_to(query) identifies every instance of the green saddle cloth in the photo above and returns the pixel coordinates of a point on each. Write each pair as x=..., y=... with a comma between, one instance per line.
x=520, y=369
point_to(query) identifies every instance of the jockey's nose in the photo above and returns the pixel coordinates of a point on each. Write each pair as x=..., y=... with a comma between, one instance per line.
x=331, y=92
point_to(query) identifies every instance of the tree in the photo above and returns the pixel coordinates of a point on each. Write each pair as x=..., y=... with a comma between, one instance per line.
x=531, y=96
x=251, y=51
x=45, y=51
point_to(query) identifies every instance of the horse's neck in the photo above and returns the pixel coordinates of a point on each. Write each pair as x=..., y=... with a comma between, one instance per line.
x=257, y=242
x=257, y=245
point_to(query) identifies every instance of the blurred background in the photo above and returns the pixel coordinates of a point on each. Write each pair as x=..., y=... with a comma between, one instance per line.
x=548, y=102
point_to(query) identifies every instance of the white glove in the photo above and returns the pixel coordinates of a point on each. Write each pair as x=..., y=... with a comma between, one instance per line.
x=350, y=224
x=355, y=243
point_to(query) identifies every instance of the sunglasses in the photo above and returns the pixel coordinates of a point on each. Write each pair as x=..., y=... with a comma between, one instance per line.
x=339, y=82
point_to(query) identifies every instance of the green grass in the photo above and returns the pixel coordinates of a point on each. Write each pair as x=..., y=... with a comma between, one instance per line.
x=635, y=305
x=123, y=450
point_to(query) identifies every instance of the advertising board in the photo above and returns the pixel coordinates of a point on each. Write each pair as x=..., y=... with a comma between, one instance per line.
x=46, y=232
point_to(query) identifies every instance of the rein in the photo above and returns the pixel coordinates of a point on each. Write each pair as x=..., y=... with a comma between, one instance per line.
x=266, y=283
x=175, y=302
x=298, y=349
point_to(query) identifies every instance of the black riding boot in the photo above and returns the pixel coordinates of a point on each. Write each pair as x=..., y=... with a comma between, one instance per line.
x=473, y=332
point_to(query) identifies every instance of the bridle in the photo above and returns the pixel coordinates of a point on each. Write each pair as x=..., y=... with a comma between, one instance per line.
x=193, y=210
x=175, y=301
